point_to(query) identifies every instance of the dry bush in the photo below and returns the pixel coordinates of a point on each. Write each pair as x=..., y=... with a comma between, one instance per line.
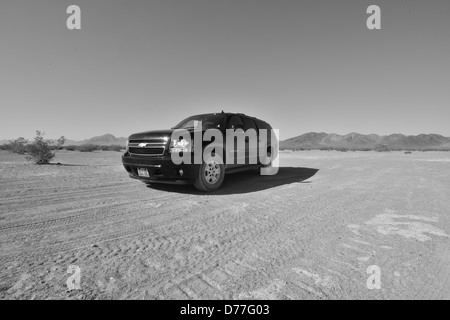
x=116, y=147
x=18, y=146
x=70, y=148
x=40, y=151
x=88, y=147
x=381, y=148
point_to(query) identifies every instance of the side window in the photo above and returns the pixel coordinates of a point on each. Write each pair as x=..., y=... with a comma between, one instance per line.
x=235, y=122
x=249, y=124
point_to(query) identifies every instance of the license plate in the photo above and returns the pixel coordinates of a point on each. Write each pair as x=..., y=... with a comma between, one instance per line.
x=143, y=172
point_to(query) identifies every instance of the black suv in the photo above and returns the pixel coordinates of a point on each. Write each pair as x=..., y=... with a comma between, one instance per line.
x=148, y=156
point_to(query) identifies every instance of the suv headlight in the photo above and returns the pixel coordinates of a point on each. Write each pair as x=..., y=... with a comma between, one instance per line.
x=126, y=145
x=180, y=146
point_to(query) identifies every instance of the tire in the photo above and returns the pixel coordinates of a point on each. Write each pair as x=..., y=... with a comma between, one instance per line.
x=210, y=175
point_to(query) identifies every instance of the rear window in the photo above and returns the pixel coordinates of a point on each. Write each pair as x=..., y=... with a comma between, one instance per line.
x=263, y=125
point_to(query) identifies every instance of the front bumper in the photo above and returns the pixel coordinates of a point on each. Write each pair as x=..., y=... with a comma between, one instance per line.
x=161, y=169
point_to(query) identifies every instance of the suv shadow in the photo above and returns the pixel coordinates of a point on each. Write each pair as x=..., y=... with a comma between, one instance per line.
x=246, y=182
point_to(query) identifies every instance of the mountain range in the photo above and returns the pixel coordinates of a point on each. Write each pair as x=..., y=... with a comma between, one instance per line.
x=357, y=141
x=322, y=140
x=104, y=140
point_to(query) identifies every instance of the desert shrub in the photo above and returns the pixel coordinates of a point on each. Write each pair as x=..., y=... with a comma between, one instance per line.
x=60, y=142
x=94, y=147
x=88, y=147
x=70, y=148
x=40, y=151
x=116, y=147
x=381, y=148
x=18, y=146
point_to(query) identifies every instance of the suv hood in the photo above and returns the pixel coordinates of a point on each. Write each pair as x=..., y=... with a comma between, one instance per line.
x=151, y=135
x=158, y=134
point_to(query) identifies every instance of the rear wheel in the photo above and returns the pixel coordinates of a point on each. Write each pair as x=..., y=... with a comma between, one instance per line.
x=210, y=175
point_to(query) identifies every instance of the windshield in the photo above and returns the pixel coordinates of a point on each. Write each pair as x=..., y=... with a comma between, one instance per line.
x=208, y=121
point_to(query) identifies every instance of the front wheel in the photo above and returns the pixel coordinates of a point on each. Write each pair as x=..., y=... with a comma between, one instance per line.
x=210, y=175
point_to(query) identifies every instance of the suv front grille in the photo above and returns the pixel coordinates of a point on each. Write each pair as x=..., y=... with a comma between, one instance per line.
x=150, y=147
x=147, y=151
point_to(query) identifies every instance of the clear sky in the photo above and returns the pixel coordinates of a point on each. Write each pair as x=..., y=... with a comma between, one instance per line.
x=300, y=65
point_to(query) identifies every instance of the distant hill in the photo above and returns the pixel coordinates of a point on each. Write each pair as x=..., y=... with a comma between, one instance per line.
x=104, y=140
x=322, y=140
x=357, y=141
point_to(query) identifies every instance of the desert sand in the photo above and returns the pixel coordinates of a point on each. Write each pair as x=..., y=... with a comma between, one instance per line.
x=310, y=232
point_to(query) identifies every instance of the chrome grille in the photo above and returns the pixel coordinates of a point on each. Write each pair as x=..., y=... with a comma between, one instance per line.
x=149, y=147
